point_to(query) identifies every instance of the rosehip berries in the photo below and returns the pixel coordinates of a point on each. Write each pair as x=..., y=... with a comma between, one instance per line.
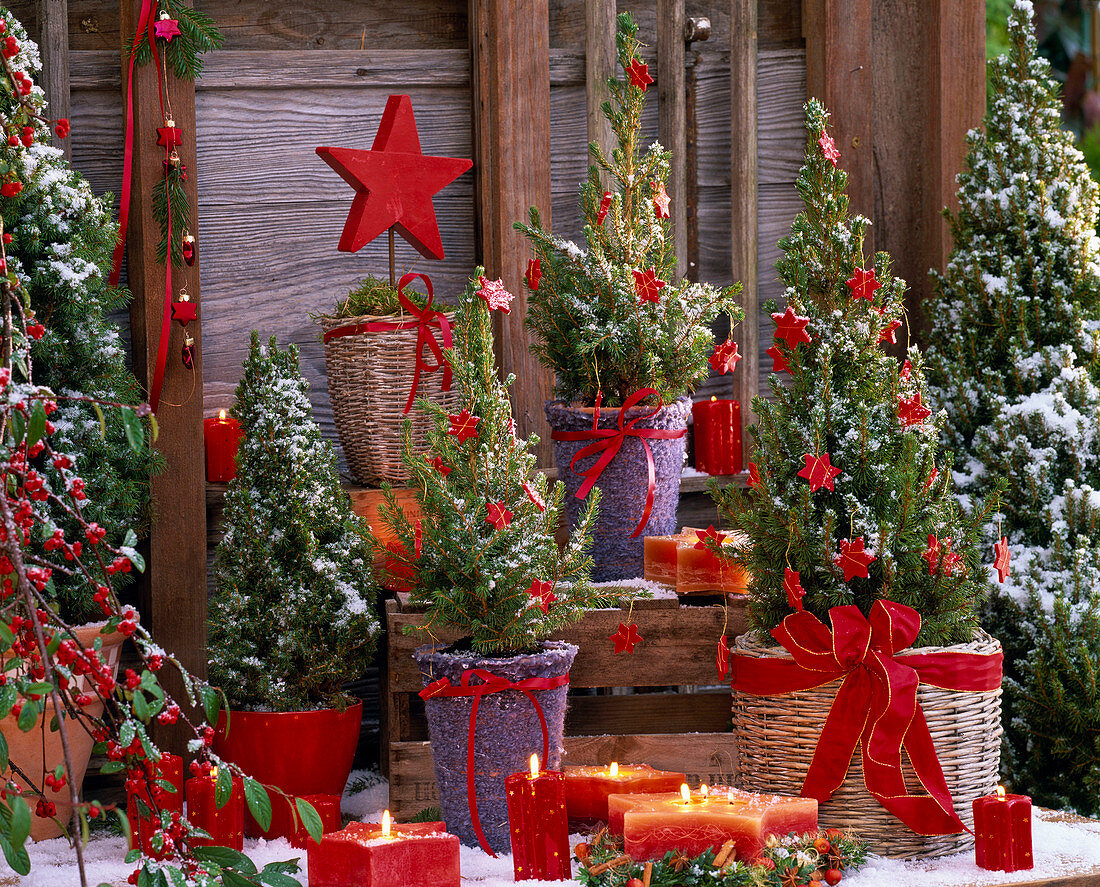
x=833, y=876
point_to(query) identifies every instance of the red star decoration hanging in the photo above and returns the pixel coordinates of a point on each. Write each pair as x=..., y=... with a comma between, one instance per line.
x=639, y=74
x=1001, y=558
x=661, y=201
x=779, y=360
x=184, y=311
x=911, y=411
x=863, y=284
x=791, y=328
x=626, y=638
x=439, y=465
x=463, y=426
x=166, y=28
x=887, y=335
x=543, y=592
x=853, y=560
x=499, y=516
x=932, y=553
x=828, y=148
x=725, y=357
x=534, y=496
x=819, y=471
x=722, y=661
x=931, y=478
x=792, y=584
x=648, y=285
x=533, y=275
x=605, y=205
x=710, y=538
x=951, y=559
x=169, y=135
x=495, y=295
x=418, y=539
x=394, y=183
x=906, y=370
x=754, y=476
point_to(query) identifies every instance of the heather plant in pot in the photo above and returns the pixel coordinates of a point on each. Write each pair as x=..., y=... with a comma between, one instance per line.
x=292, y=617
x=490, y=572
x=627, y=341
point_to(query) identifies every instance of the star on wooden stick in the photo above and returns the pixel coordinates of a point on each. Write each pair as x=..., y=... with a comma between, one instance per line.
x=499, y=516
x=648, y=285
x=543, y=592
x=463, y=426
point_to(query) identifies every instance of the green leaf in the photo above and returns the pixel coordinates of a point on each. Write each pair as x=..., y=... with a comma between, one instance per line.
x=259, y=802
x=3, y=752
x=28, y=716
x=211, y=705
x=141, y=706
x=126, y=734
x=20, y=821
x=7, y=699
x=37, y=425
x=224, y=788
x=18, y=427
x=6, y=633
x=40, y=687
x=130, y=540
x=310, y=819
x=277, y=879
x=17, y=856
x=112, y=767
x=102, y=420
x=287, y=866
x=226, y=857
x=135, y=433
x=231, y=879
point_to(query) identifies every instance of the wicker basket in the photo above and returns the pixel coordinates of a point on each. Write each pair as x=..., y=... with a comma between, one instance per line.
x=369, y=377
x=776, y=736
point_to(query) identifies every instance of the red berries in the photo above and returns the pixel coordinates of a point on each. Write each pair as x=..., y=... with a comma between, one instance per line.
x=45, y=809
x=11, y=47
x=10, y=189
x=62, y=128
x=833, y=876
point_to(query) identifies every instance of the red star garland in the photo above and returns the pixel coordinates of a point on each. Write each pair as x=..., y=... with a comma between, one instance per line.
x=605, y=205
x=791, y=328
x=166, y=28
x=639, y=74
x=887, y=335
x=710, y=538
x=911, y=411
x=819, y=471
x=1001, y=558
x=499, y=516
x=169, y=135
x=533, y=275
x=828, y=148
x=863, y=284
x=648, y=285
x=626, y=638
x=725, y=357
x=779, y=360
x=932, y=553
x=722, y=661
x=792, y=584
x=661, y=201
x=534, y=496
x=184, y=311
x=543, y=592
x=494, y=294
x=438, y=464
x=853, y=560
x=463, y=426
x=754, y=476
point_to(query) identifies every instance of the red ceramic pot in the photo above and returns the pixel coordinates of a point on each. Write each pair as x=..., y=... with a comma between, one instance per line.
x=303, y=753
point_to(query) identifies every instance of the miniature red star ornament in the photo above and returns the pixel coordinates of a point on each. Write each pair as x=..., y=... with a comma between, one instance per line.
x=495, y=295
x=792, y=584
x=951, y=559
x=887, y=335
x=639, y=74
x=819, y=471
x=166, y=28
x=463, y=426
x=169, y=135
x=499, y=516
x=779, y=360
x=394, y=182
x=1001, y=558
x=184, y=311
x=709, y=538
x=853, y=560
x=828, y=148
x=863, y=284
x=932, y=553
x=648, y=285
x=722, y=661
x=906, y=370
x=754, y=476
x=543, y=593
x=626, y=638
x=533, y=275
x=439, y=465
x=661, y=202
x=911, y=411
x=725, y=357
x=931, y=478
x=605, y=205
x=534, y=496
x=790, y=327
x=418, y=538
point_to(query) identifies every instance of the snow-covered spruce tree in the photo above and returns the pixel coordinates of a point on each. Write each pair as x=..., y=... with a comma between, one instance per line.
x=483, y=548
x=1014, y=359
x=846, y=505
x=60, y=239
x=292, y=617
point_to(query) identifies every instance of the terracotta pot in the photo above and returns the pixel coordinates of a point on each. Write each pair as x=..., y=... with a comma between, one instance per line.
x=39, y=751
x=301, y=752
x=508, y=732
x=623, y=483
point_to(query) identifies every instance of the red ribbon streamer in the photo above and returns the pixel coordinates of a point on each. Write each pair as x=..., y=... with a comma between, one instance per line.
x=876, y=705
x=491, y=684
x=427, y=317
x=608, y=441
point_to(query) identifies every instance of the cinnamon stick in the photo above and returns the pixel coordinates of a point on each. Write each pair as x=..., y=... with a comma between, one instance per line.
x=647, y=875
x=724, y=854
x=610, y=864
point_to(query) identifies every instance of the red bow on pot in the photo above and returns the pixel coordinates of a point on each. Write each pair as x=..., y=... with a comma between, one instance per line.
x=876, y=705
x=427, y=318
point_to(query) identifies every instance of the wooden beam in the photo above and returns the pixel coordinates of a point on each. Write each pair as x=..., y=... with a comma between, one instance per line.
x=744, y=220
x=672, y=117
x=510, y=48
x=599, y=67
x=53, y=44
x=173, y=594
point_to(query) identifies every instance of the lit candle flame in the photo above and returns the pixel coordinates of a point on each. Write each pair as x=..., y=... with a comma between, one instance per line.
x=213, y=774
x=613, y=770
x=703, y=790
x=221, y=415
x=685, y=793
x=1001, y=792
x=385, y=823
x=714, y=397
x=534, y=766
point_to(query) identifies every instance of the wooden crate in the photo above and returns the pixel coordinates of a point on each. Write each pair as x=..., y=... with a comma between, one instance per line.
x=677, y=718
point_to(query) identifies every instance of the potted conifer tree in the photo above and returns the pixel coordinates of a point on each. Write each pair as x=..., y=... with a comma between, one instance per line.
x=858, y=551
x=490, y=570
x=626, y=341
x=292, y=617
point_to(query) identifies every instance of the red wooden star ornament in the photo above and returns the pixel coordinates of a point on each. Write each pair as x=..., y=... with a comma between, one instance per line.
x=648, y=285
x=853, y=560
x=639, y=74
x=828, y=148
x=754, y=476
x=543, y=593
x=394, y=183
x=1001, y=558
x=911, y=411
x=463, y=426
x=709, y=539
x=438, y=464
x=887, y=335
x=790, y=327
x=779, y=360
x=605, y=205
x=184, y=311
x=819, y=472
x=932, y=475
x=661, y=201
x=626, y=638
x=725, y=357
x=169, y=135
x=932, y=553
x=499, y=516
x=863, y=284
x=166, y=27
x=792, y=584
x=533, y=275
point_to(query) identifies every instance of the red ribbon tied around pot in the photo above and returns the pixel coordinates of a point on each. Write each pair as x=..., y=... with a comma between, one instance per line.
x=608, y=441
x=491, y=683
x=427, y=318
x=876, y=705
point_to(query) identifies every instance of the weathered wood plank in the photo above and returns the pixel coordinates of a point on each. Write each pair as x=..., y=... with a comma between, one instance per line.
x=599, y=67
x=53, y=46
x=672, y=117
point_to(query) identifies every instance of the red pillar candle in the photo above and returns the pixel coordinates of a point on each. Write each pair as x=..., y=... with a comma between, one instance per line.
x=587, y=788
x=222, y=435
x=1002, y=832
x=167, y=774
x=419, y=854
x=537, y=820
x=328, y=808
x=225, y=825
x=717, y=433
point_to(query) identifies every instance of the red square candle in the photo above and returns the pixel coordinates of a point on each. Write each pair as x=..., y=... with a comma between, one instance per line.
x=587, y=788
x=328, y=808
x=1002, y=832
x=224, y=824
x=167, y=776
x=537, y=821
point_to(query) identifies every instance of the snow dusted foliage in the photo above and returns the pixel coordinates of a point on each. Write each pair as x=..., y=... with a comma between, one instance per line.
x=849, y=401
x=62, y=238
x=292, y=618
x=1014, y=360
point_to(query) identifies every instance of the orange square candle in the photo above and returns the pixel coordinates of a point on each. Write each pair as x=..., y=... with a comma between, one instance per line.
x=587, y=788
x=661, y=554
x=700, y=569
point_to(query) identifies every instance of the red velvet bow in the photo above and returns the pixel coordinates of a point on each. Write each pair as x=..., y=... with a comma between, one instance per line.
x=876, y=705
x=491, y=684
x=426, y=318
x=607, y=442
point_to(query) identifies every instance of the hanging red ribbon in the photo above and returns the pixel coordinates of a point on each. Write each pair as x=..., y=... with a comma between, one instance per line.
x=491, y=684
x=876, y=705
x=608, y=441
x=426, y=318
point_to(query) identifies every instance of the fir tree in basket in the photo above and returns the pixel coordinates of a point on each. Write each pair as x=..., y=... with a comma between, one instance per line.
x=1014, y=358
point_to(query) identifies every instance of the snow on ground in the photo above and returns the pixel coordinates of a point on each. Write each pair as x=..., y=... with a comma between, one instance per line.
x=1061, y=848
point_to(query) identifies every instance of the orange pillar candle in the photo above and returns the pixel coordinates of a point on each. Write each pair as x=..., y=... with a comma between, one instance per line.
x=700, y=569
x=222, y=435
x=224, y=824
x=1002, y=832
x=167, y=775
x=660, y=556
x=537, y=821
x=587, y=788
x=717, y=434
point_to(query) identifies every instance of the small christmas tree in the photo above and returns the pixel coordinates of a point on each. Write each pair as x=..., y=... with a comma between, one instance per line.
x=610, y=318
x=292, y=618
x=1014, y=358
x=483, y=548
x=846, y=505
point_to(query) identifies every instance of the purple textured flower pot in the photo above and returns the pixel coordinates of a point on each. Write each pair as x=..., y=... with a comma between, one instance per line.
x=623, y=482
x=508, y=732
